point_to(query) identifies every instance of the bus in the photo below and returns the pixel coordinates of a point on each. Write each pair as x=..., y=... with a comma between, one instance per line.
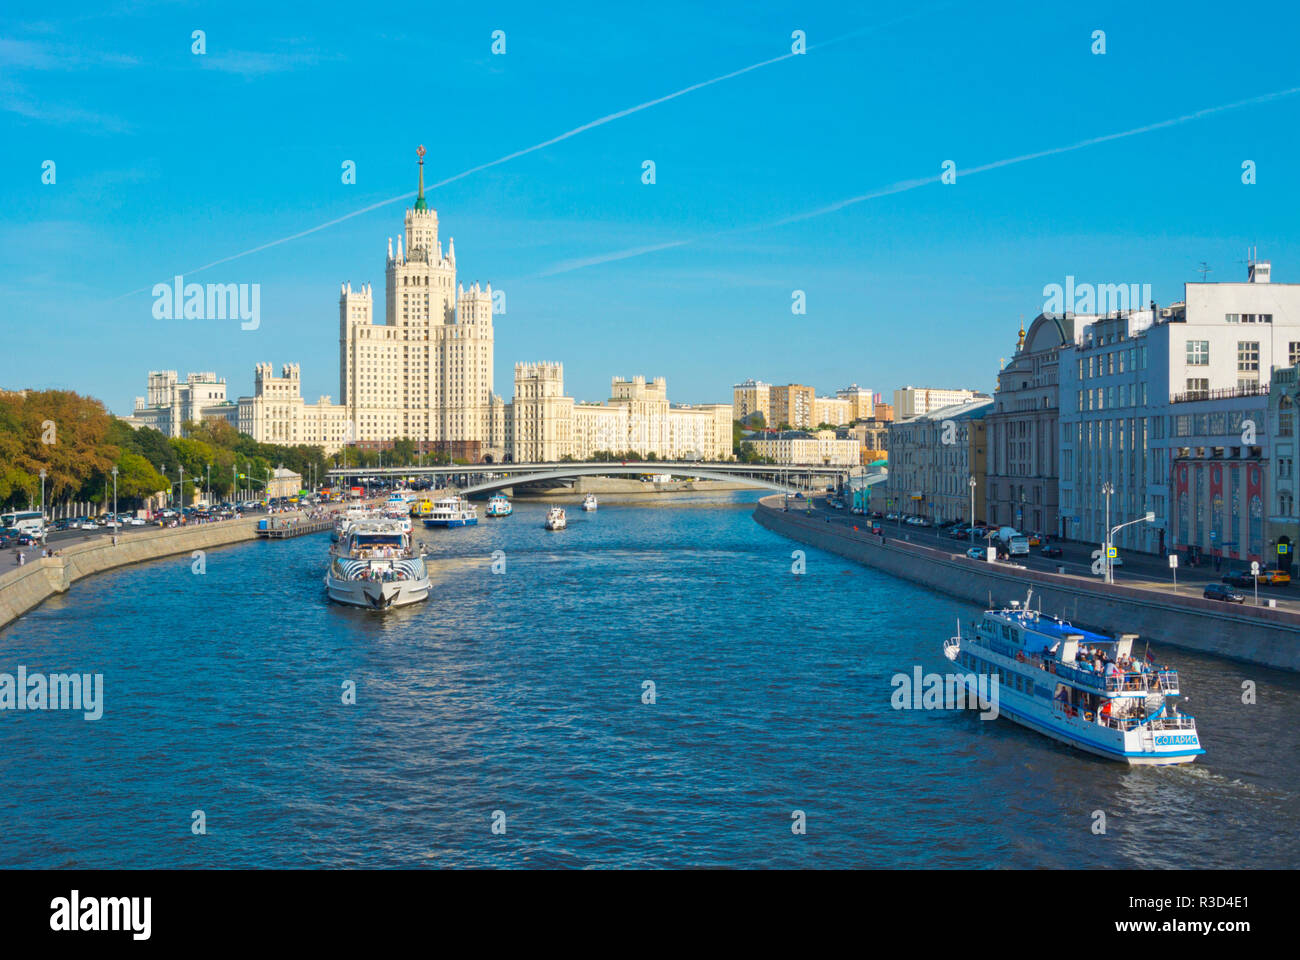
x=24, y=521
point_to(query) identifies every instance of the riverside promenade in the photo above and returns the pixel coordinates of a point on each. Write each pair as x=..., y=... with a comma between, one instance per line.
x=27, y=586
x=1260, y=635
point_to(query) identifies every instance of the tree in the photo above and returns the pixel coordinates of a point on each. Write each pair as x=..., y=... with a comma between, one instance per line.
x=137, y=478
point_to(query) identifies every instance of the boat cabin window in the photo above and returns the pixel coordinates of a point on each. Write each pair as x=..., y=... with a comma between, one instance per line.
x=377, y=540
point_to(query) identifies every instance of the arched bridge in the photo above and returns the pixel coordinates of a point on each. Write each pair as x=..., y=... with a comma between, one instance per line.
x=485, y=477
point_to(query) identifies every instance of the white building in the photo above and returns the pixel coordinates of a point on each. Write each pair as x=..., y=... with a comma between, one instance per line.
x=546, y=426
x=803, y=448
x=277, y=412
x=425, y=373
x=1169, y=408
x=170, y=403
x=912, y=401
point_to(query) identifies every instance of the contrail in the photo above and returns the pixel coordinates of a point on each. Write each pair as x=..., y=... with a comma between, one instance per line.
x=904, y=186
x=608, y=118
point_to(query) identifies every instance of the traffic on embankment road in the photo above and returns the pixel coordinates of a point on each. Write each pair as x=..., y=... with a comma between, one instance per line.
x=1255, y=634
x=32, y=574
x=1137, y=570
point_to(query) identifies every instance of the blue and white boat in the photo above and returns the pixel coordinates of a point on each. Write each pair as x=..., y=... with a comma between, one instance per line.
x=1079, y=687
x=499, y=506
x=376, y=567
x=452, y=512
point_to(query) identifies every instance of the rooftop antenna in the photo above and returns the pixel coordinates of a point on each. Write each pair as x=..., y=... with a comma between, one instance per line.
x=1203, y=269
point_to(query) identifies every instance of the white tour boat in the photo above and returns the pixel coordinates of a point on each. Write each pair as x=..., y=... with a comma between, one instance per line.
x=555, y=519
x=397, y=508
x=1079, y=687
x=589, y=502
x=344, y=521
x=499, y=506
x=375, y=566
x=452, y=512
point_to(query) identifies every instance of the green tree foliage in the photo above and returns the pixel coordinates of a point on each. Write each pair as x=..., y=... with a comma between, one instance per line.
x=58, y=431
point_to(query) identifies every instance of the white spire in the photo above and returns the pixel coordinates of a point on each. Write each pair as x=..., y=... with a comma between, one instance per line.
x=399, y=249
x=390, y=248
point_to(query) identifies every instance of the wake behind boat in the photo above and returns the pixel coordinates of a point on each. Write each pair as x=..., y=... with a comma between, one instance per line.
x=375, y=566
x=1078, y=687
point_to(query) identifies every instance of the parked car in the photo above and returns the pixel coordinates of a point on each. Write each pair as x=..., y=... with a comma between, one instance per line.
x=1239, y=578
x=978, y=553
x=1050, y=551
x=1223, y=592
x=87, y=524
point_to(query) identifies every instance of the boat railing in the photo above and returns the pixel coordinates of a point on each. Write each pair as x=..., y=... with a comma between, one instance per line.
x=1180, y=722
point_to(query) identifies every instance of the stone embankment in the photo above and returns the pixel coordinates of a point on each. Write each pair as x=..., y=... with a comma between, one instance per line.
x=27, y=586
x=1261, y=635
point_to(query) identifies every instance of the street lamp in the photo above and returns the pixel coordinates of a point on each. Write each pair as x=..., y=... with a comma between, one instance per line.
x=116, y=522
x=1110, y=539
x=1107, y=489
x=971, y=484
x=43, y=475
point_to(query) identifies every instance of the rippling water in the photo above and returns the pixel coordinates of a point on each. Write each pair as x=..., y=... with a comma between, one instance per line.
x=521, y=693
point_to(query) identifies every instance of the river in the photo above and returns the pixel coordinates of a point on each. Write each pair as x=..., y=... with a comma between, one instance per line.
x=515, y=699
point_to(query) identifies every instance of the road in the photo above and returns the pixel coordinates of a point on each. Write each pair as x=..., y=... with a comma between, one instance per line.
x=1139, y=570
x=66, y=538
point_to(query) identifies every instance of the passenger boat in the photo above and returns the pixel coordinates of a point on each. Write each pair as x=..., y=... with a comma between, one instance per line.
x=555, y=519
x=1079, y=687
x=499, y=506
x=396, y=508
x=343, y=521
x=589, y=502
x=421, y=508
x=375, y=566
x=452, y=512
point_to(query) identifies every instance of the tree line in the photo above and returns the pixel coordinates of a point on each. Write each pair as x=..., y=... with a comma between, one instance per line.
x=78, y=442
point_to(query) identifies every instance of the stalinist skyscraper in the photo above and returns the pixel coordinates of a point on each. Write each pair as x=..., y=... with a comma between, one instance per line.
x=425, y=373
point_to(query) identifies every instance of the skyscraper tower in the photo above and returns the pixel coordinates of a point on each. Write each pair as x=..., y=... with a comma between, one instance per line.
x=426, y=372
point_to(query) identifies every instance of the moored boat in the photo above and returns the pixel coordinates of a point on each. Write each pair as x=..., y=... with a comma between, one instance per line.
x=555, y=519
x=397, y=509
x=452, y=512
x=1082, y=688
x=375, y=566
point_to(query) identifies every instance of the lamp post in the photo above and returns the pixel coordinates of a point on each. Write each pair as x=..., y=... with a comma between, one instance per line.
x=117, y=525
x=43, y=475
x=180, y=490
x=1107, y=489
x=971, y=484
x=1110, y=538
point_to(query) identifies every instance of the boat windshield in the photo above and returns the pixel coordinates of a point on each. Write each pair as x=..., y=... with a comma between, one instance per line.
x=367, y=540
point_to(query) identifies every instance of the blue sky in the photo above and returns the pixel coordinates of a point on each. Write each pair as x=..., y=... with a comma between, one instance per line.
x=167, y=161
